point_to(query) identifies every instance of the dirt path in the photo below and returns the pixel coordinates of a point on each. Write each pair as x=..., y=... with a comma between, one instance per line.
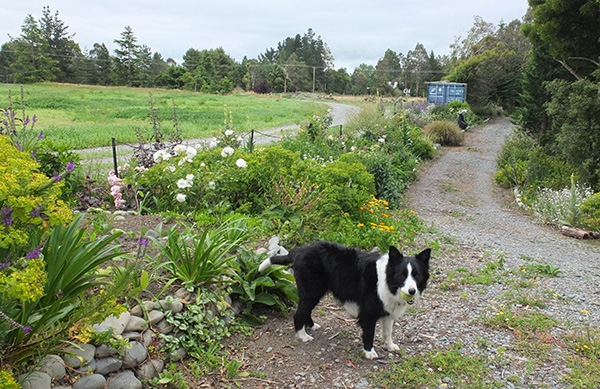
x=469, y=288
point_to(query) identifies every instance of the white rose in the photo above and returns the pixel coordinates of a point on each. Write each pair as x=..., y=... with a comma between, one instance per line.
x=241, y=163
x=180, y=197
x=228, y=133
x=227, y=151
x=182, y=184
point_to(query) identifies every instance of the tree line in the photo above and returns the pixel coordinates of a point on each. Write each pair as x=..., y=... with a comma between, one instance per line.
x=46, y=51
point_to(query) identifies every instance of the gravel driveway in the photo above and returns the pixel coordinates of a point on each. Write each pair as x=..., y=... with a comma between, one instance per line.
x=458, y=195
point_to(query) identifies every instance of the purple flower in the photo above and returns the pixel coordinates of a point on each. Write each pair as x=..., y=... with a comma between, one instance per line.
x=143, y=242
x=34, y=118
x=70, y=165
x=41, y=134
x=56, y=177
x=33, y=254
x=26, y=121
x=36, y=211
x=6, y=212
x=4, y=265
x=26, y=330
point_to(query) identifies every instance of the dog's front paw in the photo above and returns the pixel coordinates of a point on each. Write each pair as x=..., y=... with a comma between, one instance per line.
x=315, y=326
x=391, y=346
x=370, y=354
x=303, y=336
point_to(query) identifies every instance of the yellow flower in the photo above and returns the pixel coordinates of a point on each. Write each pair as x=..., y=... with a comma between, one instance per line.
x=361, y=225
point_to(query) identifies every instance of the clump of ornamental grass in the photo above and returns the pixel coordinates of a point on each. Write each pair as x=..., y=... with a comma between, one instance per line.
x=444, y=132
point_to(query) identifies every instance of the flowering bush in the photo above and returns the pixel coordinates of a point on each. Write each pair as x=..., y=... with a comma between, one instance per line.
x=375, y=225
x=29, y=202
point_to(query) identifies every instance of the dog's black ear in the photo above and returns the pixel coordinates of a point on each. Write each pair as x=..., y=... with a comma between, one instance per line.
x=424, y=256
x=394, y=254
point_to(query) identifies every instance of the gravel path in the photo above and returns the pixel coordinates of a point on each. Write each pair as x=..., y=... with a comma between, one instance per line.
x=458, y=195
x=477, y=224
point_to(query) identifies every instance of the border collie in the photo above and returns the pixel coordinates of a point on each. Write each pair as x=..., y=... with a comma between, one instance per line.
x=373, y=287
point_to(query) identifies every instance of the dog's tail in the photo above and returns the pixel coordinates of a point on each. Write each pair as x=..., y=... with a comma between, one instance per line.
x=276, y=260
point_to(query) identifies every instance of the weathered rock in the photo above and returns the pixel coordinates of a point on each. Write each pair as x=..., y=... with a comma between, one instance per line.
x=164, y=327
x=118, y=324
x=35, y=380
x=104, y=351
x=108, y=365
x=151, y=368
x=134, y=355
x=53, y=365
x=79, y=356
x=136, y=324
x=94, y=381
x=131, y=335
x=148, y=306
x=155, y=316
x=124, y=380
x=178, y=354
x=174, y=306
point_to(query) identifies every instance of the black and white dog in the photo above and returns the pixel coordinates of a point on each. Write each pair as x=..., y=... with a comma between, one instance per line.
x=373, y=287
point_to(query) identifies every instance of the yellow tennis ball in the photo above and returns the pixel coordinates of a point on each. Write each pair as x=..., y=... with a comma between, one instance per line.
x=407, y=297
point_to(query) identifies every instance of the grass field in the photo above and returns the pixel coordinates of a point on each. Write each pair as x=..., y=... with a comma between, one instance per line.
x=89, y=116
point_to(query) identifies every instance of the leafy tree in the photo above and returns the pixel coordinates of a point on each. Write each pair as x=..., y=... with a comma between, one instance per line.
x=416, y=65
x=60, y=45
x=387, y=72
x=363, y=80
x=7, y=58
x=338, y=81
x=575, y=110
x=126, y=58
x=309, y=50
x=96, y=69
x=570, y=29
x=493, y=71
x=33, y=61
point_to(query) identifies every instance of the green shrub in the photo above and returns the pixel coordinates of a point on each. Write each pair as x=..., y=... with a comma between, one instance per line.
x=388, y=183
x=74, y=293
x=272, y=287
x=591, y=209
x=446, y=133
x=29, y=202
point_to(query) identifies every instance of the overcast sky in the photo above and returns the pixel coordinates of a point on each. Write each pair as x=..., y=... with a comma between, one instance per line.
x=356, y=31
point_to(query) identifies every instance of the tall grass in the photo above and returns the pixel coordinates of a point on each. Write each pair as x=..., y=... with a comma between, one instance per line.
x=89, y=116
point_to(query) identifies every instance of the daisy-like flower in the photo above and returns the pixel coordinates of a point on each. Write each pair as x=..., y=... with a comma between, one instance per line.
x=228, y=132
x=180, y=197
x=227, y=151
x=241, y=163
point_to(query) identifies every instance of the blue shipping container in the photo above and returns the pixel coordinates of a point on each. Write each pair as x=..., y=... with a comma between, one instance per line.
x=445, y=92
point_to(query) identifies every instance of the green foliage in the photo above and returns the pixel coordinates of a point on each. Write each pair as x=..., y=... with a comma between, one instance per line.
x=8, y=381
x=202, y=326
x=71, y=275
x=200, y=261
x=375, y=225
x=591, y=210
x=575, y=113
x=272, y=287
x=522, y=163
x=446, y=133
x=29, y=201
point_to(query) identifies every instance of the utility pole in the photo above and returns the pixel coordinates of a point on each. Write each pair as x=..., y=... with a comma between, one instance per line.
x=314, y=71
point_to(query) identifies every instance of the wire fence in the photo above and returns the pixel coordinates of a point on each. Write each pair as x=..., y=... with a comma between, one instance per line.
x=251, y=139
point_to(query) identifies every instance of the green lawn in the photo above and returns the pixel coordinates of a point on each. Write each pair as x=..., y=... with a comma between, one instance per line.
x=88, y=116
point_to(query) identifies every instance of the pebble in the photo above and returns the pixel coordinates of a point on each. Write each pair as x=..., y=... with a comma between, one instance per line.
x=94, y=381
x=35, y=380
x=124, y=380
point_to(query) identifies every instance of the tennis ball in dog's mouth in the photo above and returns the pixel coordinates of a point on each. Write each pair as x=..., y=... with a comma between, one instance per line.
x=407, y=297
